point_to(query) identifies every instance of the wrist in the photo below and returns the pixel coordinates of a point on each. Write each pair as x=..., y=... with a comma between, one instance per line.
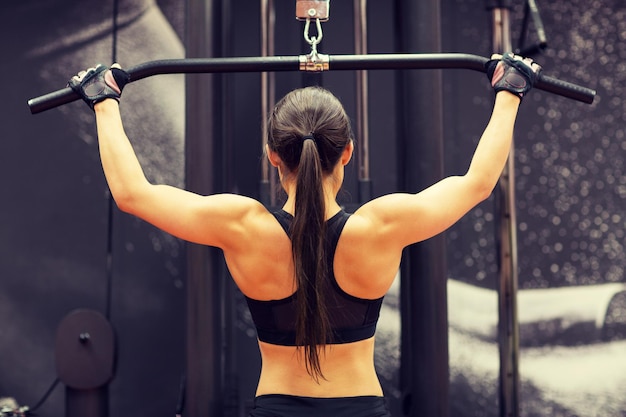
x=106, y=105
x=504, y=97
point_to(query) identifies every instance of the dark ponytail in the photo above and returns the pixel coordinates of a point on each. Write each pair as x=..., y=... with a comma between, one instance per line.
x=307, y=231
x=309, y=130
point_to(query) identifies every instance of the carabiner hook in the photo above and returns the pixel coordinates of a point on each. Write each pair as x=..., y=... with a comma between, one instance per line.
x=314, y=40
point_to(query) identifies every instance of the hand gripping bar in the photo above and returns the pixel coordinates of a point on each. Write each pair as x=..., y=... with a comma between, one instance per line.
x=292, y=63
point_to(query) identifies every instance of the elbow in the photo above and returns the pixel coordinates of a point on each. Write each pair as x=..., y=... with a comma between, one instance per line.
x=124, y=201
x=482, y=187
x=484, y=192
x=129, y=195
x=127, y=199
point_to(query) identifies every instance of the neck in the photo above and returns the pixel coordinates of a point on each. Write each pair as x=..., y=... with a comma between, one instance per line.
x=330, y=194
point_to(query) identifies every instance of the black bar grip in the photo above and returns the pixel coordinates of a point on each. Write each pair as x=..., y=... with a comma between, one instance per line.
x=175, y=66
x=51, y=100
x=453, y=60
x=214, y=65
x=565, y=89
x=289, y=63
x=407, y=61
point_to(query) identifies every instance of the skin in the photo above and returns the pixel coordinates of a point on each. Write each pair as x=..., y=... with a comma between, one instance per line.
x=258, y=252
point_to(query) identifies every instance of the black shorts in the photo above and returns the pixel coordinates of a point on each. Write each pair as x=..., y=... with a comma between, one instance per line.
x=278, y=405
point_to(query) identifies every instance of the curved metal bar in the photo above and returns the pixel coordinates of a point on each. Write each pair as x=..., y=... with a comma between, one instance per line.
x=292, y=63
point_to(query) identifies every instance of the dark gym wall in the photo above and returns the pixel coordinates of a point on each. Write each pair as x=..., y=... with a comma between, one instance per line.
x=54, y=227
x=54, y=217
x=570, y=214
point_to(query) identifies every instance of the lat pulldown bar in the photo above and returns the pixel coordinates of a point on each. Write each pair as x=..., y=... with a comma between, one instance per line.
x=293, y=63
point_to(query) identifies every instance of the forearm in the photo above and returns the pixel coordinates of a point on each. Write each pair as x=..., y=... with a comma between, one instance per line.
x=122, y=170
x=495, y=143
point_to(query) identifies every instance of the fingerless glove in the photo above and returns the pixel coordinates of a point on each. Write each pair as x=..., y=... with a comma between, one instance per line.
x=99, y=83
x=512, y=73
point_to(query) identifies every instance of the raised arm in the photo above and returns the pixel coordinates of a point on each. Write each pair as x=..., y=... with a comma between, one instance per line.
x=402, y=219
x=215, y=220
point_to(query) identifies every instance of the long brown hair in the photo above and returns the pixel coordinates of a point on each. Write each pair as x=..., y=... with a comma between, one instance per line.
x=317, y=115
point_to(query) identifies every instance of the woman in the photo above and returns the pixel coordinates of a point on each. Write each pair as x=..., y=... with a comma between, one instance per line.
x=313, y=292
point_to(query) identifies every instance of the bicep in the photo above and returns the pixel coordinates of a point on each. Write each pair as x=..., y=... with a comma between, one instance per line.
x=402, y=219
x=209, y=220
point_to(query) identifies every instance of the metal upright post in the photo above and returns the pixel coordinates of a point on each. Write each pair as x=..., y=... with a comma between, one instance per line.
x=508, y=328
x=362, y=102
x=203, y=173
x=268, y=99
x=424, y=344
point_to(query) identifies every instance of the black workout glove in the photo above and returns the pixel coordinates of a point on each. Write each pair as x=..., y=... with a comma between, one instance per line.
x=512, y=73
x=99, y=83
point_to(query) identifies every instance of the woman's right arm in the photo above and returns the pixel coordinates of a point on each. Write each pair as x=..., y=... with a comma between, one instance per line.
x=215, y=220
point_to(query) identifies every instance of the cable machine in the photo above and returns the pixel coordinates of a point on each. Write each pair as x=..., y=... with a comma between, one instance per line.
x=205, y=378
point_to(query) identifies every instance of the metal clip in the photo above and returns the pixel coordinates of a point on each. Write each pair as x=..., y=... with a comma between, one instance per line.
x=312, y=9
x=314, y=62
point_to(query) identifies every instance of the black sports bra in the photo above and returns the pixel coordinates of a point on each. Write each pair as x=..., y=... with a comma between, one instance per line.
x=351, y=318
